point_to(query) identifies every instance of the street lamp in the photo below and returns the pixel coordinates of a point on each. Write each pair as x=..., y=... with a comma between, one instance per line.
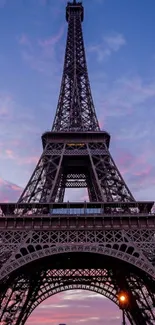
x=123, y=303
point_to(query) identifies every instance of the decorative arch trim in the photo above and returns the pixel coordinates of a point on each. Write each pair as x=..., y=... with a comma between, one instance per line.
x=79, y=286
x=134, y=258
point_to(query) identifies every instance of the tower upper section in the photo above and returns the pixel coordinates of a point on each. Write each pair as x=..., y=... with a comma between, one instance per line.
x=75, y=110
x=74, y=6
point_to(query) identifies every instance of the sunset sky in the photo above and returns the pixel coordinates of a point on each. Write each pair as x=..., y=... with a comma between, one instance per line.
x=120, y=46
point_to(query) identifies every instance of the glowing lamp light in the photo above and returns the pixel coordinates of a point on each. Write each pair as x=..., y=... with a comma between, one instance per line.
x=123, y=299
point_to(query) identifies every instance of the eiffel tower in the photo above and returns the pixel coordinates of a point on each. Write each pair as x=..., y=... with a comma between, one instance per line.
x=106, y=245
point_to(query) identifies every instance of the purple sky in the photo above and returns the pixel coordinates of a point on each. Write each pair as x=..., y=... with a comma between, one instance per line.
x=76, y=307
x=120, y=48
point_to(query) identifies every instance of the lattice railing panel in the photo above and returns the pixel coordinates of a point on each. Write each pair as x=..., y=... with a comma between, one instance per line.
x=134, y=246
x=28, y=291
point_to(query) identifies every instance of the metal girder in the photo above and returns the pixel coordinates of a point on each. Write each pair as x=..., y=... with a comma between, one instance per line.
x=113, y=232
x=22, y=289
x=75, y=110
x=23, y=293
x=135, y=246
x=67, y=165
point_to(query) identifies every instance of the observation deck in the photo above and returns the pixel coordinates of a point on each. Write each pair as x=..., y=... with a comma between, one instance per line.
x=75, y=137
x=112, y=215
x=74, y=7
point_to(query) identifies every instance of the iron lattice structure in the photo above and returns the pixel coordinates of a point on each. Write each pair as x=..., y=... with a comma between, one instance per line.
x=76, y=153
x=48, y=246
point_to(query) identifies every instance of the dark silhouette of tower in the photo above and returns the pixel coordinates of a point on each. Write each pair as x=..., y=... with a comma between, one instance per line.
x=76, y=150
x=106, y=245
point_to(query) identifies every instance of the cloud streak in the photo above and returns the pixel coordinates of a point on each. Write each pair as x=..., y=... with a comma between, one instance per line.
x=108, y=45
x=82, y=307
x=124, y=88
x=3, y=3
x=42, y=54
x=9, y=192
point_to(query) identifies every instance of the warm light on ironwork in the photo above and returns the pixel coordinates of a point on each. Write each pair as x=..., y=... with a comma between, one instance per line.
x=123, y=299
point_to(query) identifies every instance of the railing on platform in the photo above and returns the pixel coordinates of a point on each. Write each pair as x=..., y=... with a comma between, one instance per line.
x=71, y=208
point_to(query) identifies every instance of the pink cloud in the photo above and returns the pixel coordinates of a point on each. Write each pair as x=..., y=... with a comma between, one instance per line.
x=144, y=172
x=124, y=160
x=138, y=172
x=19, y=159
x=124, y=157
x=135, y=165
x=41, y=54
x=16, y=188
x=6, y=103
x=75, y=307
x=27, y=160
x=24, y=40
x=9, y=192
x=9, y=153
x=101, y=123
x=52, y=40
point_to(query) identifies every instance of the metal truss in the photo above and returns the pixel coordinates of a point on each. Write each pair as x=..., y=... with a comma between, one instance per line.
x=19, y=247
x=20, y=297
x=47, y=246
x=75, y=110
x=81, y=158
x=78, y=165
x=25, y=281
